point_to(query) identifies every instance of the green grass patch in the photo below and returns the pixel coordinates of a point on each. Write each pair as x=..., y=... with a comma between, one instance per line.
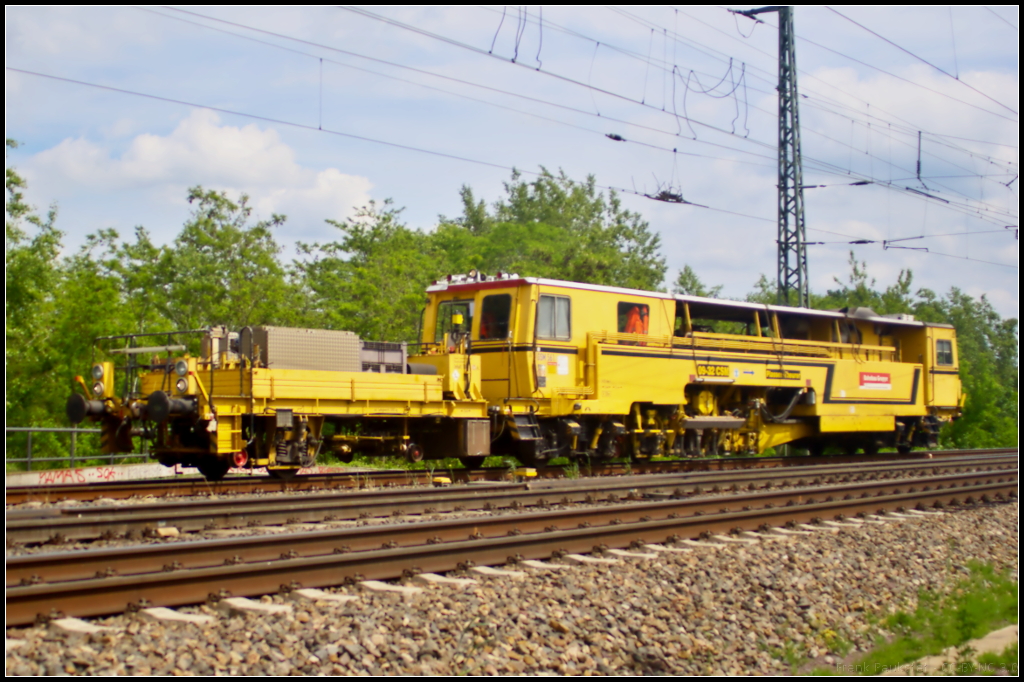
x=993, y=663
x=404, y=464
x=396, y=462
x=978, y=604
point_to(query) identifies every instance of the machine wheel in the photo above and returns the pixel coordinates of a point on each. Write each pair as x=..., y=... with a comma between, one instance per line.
x=610, y=447
x=413, y=453
x=212, y=468
x=283, y=474
x=474, y=462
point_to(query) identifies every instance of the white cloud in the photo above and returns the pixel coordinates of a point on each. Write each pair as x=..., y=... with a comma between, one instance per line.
x=67, y=31
x=201, y=151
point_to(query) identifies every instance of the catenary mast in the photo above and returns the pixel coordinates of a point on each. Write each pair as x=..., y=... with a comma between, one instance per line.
x=792, y=257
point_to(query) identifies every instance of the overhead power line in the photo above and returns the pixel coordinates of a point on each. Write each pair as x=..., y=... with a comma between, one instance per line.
x=822, y=166
x=1007, y=21
x=318, y=129
x=463, y=45
x=908, y=129
x=509, y=93
x=921, y=59
x=764, y=145
x=766, y=157
x=364, y=138
x=485, y=102
x=845, y=56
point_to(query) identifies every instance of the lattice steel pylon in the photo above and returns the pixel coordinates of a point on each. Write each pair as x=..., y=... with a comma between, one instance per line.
x=792, y=240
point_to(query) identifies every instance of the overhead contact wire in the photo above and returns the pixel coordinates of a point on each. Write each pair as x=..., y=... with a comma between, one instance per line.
x=721, y=146
x=471, y=48
x=921, y=59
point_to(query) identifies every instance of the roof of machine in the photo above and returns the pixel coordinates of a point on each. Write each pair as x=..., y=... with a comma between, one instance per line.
x=700, y=307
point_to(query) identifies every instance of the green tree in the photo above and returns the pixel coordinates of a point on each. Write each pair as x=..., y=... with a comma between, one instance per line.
x=32, y=277
x=690, y=284
x=555, y=227
x=988, y=349
x=371, y=280
x=220, y=270
x=859, y=291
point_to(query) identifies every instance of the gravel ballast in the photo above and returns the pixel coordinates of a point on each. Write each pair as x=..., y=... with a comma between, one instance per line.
x=737, y=609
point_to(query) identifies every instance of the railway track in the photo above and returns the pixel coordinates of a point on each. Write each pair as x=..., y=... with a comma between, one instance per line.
x=36, y=568
x=33, y=526
x=193, y=486
x=134, y=579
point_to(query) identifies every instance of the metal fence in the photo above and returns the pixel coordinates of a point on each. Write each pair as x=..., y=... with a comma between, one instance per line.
x=68, y=459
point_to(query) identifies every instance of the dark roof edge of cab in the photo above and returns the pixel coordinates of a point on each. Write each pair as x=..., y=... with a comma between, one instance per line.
x=475, y=281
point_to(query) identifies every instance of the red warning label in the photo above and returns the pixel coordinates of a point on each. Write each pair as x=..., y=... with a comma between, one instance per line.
x=878, y=381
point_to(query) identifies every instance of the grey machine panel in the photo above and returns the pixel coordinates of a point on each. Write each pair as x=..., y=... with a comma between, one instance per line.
x=384, y=357
x=291, y=348
x=475, y=437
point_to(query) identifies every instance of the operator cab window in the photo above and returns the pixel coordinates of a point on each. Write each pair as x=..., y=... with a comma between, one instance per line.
x=494, y=316
x=553, y=316
x=446, y=311
x=634, y=318
x=943, y=352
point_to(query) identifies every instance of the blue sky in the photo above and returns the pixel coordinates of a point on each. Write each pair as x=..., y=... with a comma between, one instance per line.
x=698, y=81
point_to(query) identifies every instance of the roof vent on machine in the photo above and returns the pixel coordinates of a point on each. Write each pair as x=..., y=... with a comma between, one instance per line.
x=861, y=312
x=476, y=276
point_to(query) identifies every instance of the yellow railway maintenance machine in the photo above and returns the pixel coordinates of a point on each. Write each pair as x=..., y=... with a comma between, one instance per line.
x=536, y=369
x=276, y=397
x=581, y=370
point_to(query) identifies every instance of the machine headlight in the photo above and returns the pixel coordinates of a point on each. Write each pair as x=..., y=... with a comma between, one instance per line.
x=181, y=368
x=97, y=388
x=97, y=372
x=181, y=385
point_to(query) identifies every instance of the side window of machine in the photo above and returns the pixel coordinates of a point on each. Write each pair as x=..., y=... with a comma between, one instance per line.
x=849, y=333
x=553, y=317
x=943, y=352
x=494, y=316
x=633, y=318
x=446, y=313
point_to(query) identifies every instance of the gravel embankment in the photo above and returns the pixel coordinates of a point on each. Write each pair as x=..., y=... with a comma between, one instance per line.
x=738, y=609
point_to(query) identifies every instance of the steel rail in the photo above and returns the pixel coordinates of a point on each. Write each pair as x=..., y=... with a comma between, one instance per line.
x=185, y=487
x=62, y=566
x=78, y=523
x=94, y=522
x=176, y=588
